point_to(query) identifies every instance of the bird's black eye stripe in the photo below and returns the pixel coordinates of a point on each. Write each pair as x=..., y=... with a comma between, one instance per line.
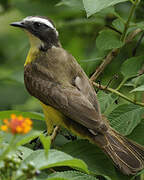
x=37, y=24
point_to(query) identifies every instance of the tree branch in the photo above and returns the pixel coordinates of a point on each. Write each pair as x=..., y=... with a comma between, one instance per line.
x=105, y=62
x=117, y=93
x=54, y=134
x=132, y=35
x=112, y=54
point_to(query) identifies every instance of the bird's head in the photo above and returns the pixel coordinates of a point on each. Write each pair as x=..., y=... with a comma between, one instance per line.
x=41, y=31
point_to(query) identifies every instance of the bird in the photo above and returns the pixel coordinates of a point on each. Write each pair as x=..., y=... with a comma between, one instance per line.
x=67, y=96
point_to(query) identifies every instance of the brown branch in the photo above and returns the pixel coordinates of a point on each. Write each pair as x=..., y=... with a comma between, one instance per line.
x=54, y=134
x=132, y=35
x=111, y=55
x=103, y=65
x=117, y=93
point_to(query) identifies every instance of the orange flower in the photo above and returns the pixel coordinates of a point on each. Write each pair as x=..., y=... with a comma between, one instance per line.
x=17, y=125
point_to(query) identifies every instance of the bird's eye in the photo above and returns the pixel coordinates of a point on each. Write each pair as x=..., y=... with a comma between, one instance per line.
x=37, y=24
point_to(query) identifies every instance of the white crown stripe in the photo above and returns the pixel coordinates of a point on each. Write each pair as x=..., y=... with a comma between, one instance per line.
x=41, y=20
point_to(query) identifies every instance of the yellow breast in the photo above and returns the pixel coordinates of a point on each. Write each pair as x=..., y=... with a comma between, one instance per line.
x=34, y=50
x=53, y=117
x=31, y=55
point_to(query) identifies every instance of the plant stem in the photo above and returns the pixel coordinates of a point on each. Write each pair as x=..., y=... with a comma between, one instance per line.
x=117, y=93
x=132, y=35
x=123, y=37
x=132, y=1
x=121, y=84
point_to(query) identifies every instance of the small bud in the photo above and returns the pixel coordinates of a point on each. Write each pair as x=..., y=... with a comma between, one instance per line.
x=25, y=168
x=31, y=165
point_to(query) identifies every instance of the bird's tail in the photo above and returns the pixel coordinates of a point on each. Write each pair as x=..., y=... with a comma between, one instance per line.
x=126, y=155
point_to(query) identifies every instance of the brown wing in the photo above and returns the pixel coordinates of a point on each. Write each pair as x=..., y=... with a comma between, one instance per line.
x=83, y=85
x=68, y=100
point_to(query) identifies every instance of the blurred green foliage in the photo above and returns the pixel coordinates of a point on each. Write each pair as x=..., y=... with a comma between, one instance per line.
x=89, y=40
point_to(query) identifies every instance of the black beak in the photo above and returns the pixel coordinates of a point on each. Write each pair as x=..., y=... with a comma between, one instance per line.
x=18, y=24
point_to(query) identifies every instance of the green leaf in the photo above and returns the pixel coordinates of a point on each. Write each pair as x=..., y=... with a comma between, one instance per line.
x=140, y=25
x=55, y=159
x=138, y=133
x=71, y=175
x=140, y=88
x=46, y=142
x=108, y=39
x=135, y=82
x=97, y=161
x=23, y=152
x=118, y=24
x=94, y=6
x=32, y=115
x=125, y=118
x=139, y=80
x=107, y=11
x=131, y=66
x=24, y=139
x=106, y=101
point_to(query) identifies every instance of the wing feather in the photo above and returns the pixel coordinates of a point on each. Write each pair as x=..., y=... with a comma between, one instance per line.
x=68, y=100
